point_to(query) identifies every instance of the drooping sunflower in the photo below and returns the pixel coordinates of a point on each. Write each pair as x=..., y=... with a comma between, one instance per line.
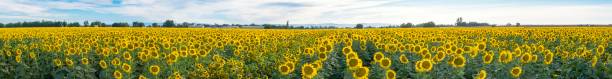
x=385, y=63
x=18, y=58
x=390, y=74
x=594, y=61
x=308, y=71
x=458, y=61
x=154, y=69
x=378, y=56
x=516, y=71
x=482, y=74
x=403, y=59
x=548, y=58
x=361, y=73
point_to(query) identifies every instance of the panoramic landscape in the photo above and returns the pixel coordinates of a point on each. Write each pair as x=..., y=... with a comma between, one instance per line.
x=302, y=39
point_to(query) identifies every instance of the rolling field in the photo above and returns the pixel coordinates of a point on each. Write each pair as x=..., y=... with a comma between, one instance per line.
x=200, y=53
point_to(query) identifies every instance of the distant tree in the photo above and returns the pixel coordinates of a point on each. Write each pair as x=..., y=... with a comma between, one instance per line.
x=97, y=24
x=508, y=24
x=518, y=24
x=138, y=24
x=1, y=25
x=154, y=25
x=120, y=24
x=74, y=24
x=169, y=23
x=406, y=25
x=86, y=23
x=427, y=24
x=359, y=26
x=460, y=22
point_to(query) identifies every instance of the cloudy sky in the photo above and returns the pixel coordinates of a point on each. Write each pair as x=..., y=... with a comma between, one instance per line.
x=311, y=11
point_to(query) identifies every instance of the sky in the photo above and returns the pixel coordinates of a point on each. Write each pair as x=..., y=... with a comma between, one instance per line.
x=311, y=11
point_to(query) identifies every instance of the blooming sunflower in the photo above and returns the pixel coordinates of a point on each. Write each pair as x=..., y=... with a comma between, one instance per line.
x=458, y=61
x=481, y=75
x=385, y=63
x=526, y=58
x=84, y=61
x=378, y=56
x=487, y=58
x=154, y=69
x=69, y=62
x=354, y=63
x=548, y=58
x=361, y=73
x=390, y=74
x=516, y=72
x=57, y=62
x=308, y=71
x=284, y=69
x=126, y=68
x=424, y=65
x=103, y=64
x=403, y=59
x=440, y=56
x=117, y=74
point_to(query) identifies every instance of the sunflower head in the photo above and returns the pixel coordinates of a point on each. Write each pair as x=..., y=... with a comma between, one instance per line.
x=378, y=56
x=482, y=74
x=361, y=73
x=354, y=62
x=487, y=58
x=385, y=63
x=117, y=74
x=458, y=61
x=308, y=71
x=103, y=64
x=390, y=74
x=126, y=67
x=403, y=59
x=284, y=69
x=154, y=69
x=516, y=72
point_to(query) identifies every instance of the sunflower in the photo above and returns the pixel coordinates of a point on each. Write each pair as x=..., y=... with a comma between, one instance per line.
x=385, y=63
x=346, y=50
x=390, y=74
x=600, y=49
x=505, y=56
x=84, y=61
x=424, y=65
x=403, y=59
x=284, y=69
x=354, y=63
x=548, y=58
x=18, y=58
x=117, y=74
x=378, y=56
x=154, y=69
x=526, y=58
x=458, y=61
x=351, y=55
x=142, y=77
x=308, y=71
x=474, y=52
x=103, y=64
x=57, y=62
x=487, y=58
x=481, y=46
x=440, y=56
x=309, y=51
x=481, y=75
x=361, y=73
x=126, y=68
x=516, y=72
x=69, y=62
x=116, y=62
x=172, y=57
x=291, y=66
x=322, y=55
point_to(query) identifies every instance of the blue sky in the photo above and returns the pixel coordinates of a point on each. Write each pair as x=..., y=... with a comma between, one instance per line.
x=311, y=11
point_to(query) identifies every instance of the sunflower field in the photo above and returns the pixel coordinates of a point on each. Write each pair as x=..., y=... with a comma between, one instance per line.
x=390, y=53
